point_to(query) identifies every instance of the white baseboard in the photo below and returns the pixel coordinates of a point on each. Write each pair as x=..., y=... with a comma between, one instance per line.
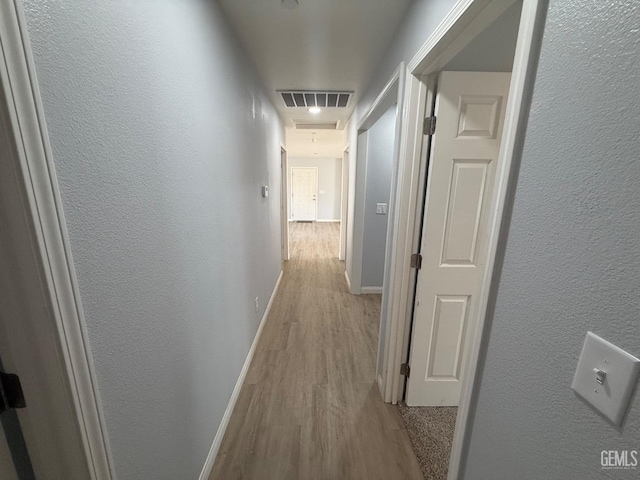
x=346, y=276
x=330, y=220
x=381, y=385
x=213, y=452
x=367, y=290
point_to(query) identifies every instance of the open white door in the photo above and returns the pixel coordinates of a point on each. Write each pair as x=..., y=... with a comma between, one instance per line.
x=304, y=185
x=470, y=108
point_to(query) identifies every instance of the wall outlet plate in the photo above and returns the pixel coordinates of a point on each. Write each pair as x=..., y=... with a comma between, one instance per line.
x=605, y=377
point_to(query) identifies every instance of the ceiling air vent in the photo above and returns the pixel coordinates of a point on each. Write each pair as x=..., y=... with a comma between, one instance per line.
x=316, y=126
x=306, y=99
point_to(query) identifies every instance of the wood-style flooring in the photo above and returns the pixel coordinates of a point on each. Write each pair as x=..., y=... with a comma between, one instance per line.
x=309, y=408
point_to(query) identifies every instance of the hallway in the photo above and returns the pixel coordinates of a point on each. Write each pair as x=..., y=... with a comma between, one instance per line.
x=309, y=408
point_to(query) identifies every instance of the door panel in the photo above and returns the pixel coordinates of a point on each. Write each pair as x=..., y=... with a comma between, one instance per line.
x=464, y=208
x=304, y=183
x=470, y=109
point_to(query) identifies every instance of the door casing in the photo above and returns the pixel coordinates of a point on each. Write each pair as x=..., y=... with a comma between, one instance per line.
x=344, y=205
x=48, y=345
x=463, y=23
x=284, y=218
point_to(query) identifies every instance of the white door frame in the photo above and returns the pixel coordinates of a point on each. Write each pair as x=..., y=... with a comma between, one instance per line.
x=463, y=23
x=344, y=204
x=393, y=92
x=316, y=190
x=284, y=206
x=35, y=175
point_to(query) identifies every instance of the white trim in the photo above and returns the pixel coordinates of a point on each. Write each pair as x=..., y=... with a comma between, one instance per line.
x=344, y=202
x=346, y=276
x=390, y=257
x=387, y=97
x=370, y=290
x=520, y=92
x=224, y=423
x=355, y=236
x=320, y=220
x=455, y=23
x=410, y=178
x=37, y=173
x=284, y=204
x=464, y=30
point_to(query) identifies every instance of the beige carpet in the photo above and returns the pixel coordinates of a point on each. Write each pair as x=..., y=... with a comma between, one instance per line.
x=431, y=433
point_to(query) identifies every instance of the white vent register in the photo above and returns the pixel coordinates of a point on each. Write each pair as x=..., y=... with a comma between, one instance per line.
x=323, y=99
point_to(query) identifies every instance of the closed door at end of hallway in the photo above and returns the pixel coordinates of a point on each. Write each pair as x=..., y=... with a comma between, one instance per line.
x=304, y=184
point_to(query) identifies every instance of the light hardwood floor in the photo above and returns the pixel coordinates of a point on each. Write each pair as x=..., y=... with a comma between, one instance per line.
x=309, y=408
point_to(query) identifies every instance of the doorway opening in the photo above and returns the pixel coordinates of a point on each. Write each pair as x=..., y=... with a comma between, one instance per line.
x=472, y=80
x=315, y=196
x=380, y=138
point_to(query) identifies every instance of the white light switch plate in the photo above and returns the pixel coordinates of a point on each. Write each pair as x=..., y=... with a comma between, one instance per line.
x=611, y=398
x=381, y=208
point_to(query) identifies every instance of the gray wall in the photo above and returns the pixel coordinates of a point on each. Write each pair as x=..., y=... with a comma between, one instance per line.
x=572, y=261
x=380, y=139
x=493, y=50
x=419, y=22
x=162, y=136
x=329, y=181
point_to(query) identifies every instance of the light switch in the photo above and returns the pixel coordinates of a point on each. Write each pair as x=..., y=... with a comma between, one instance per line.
x=321, y=192
x=381, y=209
x=605, y=377
x=265, y=191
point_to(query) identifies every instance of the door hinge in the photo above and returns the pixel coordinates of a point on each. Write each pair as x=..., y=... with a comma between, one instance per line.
x=416, y=261
x=430, y=125
x=405, y=370
x=11, y=395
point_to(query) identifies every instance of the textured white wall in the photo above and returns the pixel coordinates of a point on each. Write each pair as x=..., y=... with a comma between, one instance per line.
x=572, y=261
x=329, y=180
x=162, y=136
x=378, y=185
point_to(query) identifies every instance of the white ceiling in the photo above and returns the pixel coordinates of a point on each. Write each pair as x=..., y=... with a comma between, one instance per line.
x=315, y=143
x=319, y=45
